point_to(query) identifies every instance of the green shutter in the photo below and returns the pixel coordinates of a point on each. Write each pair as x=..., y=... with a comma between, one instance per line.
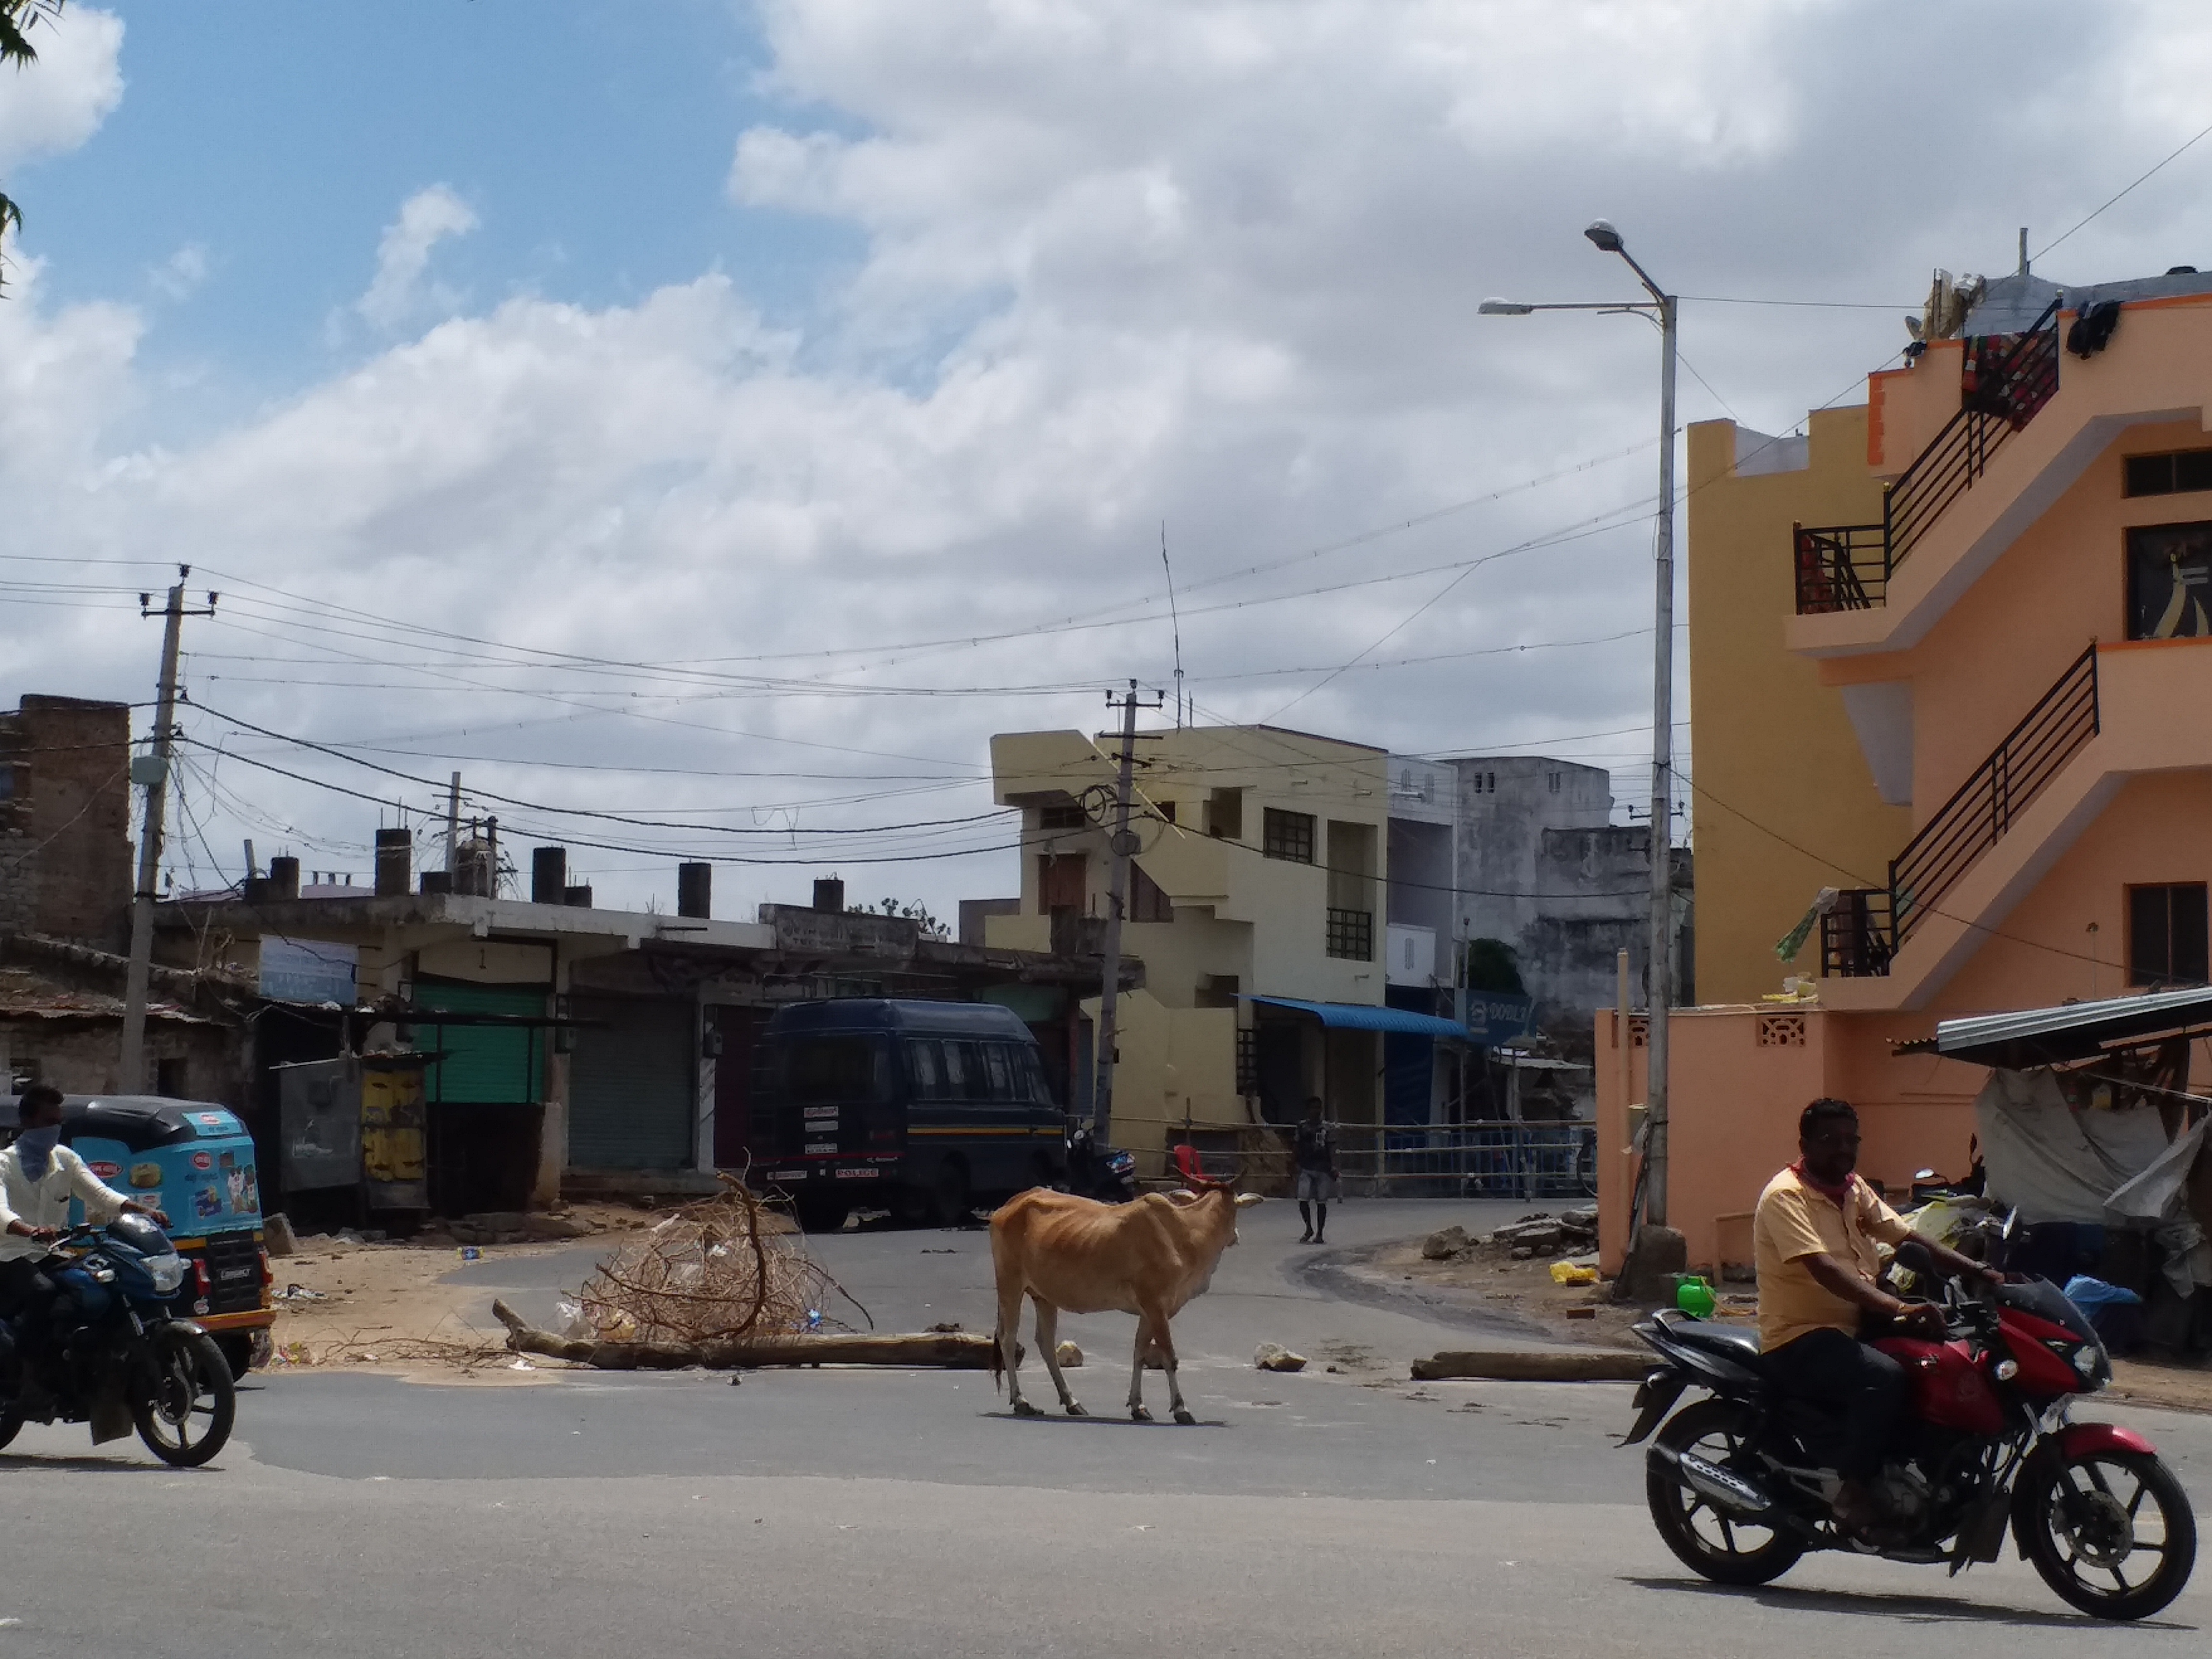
x=483, y=1065
x=631, y=1084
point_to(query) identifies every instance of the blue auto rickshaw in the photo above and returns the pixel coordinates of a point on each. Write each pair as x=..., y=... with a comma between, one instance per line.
x=193, y=1160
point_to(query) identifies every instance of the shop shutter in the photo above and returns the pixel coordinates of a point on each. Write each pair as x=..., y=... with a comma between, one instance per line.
x=630, y=1084
x=483, y=1065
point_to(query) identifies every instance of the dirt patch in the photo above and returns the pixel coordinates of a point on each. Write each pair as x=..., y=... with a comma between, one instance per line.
x=1487, y=1277
x=391, y=1306
x=2177, y=1388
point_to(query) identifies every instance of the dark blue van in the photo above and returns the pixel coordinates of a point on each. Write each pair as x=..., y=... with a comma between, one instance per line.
x=926, y=1108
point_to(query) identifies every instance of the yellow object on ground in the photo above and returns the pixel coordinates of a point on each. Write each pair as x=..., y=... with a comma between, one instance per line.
x=1566, y=1273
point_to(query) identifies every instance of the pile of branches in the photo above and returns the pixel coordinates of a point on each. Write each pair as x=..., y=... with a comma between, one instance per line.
x=725, y=1269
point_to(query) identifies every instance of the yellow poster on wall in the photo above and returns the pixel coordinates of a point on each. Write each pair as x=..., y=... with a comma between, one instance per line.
x=392, y=1124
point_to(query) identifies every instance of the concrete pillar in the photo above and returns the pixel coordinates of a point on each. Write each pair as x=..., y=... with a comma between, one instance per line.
x=553, y=1120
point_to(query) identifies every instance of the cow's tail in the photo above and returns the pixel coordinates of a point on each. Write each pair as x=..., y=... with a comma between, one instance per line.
x=998, y=1359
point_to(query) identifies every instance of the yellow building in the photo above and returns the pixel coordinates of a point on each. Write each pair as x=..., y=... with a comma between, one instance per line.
x=1259, y=874
x=1785, y=801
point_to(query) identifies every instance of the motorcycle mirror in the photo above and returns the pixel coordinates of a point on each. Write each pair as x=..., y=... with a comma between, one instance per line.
x=2011, y=1221
x=1926, y=1175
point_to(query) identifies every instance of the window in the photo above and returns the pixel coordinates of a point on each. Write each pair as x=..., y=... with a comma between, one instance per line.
x=2174, y=473
x=1062, y=882
x=1551, y=781
x=832, y=1071
x=1217, y=991
x=998, y=1073
x=1148, y=901
x=1062, y=817
x=1288, y=835
x=1225, y=814
x=924, y=1077
x=169, y=1078
x=1351, y=934
x=2166, y=935
x=2169, y=568
x=1166, y=809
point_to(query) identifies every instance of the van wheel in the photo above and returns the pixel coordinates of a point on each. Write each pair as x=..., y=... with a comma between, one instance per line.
x=949, y=1199
x=822, y=1212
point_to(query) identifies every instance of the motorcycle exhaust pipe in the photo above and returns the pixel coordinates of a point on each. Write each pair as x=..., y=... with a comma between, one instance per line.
x=1724, y=1489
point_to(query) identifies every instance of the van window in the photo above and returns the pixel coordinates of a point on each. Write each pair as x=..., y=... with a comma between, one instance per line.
x=924, y=1074
x=1000, y=1072
x=829, y=1070
x=1036, y=1088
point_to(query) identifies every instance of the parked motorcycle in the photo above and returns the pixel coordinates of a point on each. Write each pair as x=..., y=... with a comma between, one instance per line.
x=1095, y=1171
x=108, y=1354
x=1742, y=1483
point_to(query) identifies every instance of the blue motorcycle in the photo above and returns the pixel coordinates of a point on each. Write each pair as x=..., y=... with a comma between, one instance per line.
x=106, y=1352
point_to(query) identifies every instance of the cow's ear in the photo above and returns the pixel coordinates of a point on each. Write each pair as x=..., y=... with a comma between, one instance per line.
x=1246, y=1201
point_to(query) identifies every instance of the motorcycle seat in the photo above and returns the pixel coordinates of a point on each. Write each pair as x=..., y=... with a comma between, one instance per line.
x=1724, y=1342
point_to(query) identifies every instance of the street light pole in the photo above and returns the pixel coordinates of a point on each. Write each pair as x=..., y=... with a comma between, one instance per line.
x=1660, y=995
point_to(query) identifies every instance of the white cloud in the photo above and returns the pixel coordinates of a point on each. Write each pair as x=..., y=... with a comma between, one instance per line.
x=1213, y=261
x=56, y=104
x=181, y=273
x=426, y=219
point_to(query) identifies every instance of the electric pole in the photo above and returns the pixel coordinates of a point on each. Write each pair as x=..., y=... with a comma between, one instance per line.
x=151, y=770
x=1122, y=843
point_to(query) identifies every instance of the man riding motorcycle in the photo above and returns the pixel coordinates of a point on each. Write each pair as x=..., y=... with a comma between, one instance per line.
x=1820, y=1302
x=38, y=1177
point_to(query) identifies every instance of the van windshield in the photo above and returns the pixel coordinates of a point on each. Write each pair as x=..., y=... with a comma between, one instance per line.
x=824, y=1071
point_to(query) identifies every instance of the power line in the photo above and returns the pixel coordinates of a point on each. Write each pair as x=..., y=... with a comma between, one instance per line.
x=2190, y=145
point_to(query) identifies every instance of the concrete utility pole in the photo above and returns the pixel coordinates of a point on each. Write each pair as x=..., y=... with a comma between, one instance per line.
x=152, y=771
x=1122, y=843
x=454, y=825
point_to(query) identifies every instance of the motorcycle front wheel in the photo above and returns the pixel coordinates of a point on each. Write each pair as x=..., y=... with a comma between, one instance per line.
x=186, y=1403
x=1708, y=1542
x=2112, y=1533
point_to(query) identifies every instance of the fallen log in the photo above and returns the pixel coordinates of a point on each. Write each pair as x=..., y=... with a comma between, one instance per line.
x=1548, y=1366
x=941, y=1350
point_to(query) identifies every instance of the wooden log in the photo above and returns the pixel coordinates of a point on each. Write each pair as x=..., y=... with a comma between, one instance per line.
x=941, y=1350
x=1550, y=1365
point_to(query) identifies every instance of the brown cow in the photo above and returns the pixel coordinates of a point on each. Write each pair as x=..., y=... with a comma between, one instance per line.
x=1146, y=1258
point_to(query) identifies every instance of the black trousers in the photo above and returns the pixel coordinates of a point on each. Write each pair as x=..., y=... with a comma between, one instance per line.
x=1836, y=1370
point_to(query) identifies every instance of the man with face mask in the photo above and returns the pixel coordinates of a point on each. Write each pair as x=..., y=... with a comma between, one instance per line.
x=38, y=1177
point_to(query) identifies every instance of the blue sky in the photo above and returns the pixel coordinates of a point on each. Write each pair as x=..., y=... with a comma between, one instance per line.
x=592, y=141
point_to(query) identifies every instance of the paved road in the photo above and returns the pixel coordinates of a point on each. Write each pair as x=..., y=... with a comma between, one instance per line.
x=852, y=1513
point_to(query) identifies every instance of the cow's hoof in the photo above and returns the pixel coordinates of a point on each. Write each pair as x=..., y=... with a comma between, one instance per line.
x=1075, y=1409
x=1139, y=1414
x=1023, y=1408
x=1184, y=1418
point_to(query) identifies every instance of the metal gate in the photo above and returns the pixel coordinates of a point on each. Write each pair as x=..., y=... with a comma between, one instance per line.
x=631, y=1084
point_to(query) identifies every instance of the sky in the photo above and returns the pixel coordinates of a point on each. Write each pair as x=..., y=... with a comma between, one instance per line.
x=703, y=424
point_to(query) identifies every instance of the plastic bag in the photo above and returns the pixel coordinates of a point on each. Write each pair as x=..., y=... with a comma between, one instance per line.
x=1568, y=1272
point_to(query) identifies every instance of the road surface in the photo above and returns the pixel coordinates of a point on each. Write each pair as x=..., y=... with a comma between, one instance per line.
x=852, y=1513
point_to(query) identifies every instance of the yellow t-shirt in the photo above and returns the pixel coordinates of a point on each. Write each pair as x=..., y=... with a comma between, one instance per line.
x=1795, y=1221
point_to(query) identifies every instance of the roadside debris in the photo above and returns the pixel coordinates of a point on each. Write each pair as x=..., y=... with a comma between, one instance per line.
x=1573, y=1233
x=1445, y=1243
x=1273, y=1356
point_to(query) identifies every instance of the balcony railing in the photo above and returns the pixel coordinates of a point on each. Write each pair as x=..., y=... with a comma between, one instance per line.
x=1351, y=934
x=1848, y=566
x=1868, y=925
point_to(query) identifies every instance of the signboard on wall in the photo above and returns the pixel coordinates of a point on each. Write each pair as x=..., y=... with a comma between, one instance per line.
x=1493, y=1016
x=307, y=970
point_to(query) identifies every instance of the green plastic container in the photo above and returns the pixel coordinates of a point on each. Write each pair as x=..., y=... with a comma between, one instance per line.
x=1694, y=1297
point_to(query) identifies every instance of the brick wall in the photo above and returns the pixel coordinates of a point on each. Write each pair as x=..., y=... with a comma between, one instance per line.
x=80, y=1056
x=65, y=854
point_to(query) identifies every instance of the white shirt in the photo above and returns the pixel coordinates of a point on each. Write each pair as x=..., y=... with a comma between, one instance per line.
x=45, y=1203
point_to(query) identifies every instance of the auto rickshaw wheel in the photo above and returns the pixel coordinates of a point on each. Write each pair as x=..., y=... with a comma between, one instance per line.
x=237, y=1348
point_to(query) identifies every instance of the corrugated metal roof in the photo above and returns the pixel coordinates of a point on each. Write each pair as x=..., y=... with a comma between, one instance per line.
x=1359, y=1017
x=2074, y=1031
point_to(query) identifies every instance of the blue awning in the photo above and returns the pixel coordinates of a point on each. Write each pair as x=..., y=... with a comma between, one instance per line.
x=1358, y=1017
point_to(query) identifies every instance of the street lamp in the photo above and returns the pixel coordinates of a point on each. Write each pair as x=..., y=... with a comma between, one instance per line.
x=1607, y=239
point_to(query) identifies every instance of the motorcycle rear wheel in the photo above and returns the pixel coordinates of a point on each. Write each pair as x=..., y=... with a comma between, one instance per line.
x=1710, y=1543
x=2083, y=1522
x=186, y=1410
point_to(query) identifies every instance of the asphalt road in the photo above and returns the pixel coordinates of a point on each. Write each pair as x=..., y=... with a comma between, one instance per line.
x=847, y=1513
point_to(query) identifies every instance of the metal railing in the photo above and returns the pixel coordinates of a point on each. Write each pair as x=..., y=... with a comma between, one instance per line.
x=1521, y=1161
x=1983, y=808
x=1868, y=925
x=1351, y=934
x=1856, y=937
x=1841, y=567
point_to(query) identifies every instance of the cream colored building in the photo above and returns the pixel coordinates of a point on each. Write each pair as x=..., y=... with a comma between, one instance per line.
x=1259, y=874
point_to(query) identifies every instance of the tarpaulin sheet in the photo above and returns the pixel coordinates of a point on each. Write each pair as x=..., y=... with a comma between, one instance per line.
x=2053, y=1163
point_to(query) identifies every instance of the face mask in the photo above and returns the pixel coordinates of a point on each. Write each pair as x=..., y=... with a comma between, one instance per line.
x=36, y=1148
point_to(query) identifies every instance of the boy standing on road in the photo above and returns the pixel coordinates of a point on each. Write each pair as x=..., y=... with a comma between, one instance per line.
x=1314, y=1152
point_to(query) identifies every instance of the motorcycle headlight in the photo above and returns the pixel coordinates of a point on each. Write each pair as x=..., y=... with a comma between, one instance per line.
x=167, y=1271
x=2087, y=1359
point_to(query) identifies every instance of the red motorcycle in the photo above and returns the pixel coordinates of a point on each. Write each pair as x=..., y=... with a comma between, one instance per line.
x=1742, y=1483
